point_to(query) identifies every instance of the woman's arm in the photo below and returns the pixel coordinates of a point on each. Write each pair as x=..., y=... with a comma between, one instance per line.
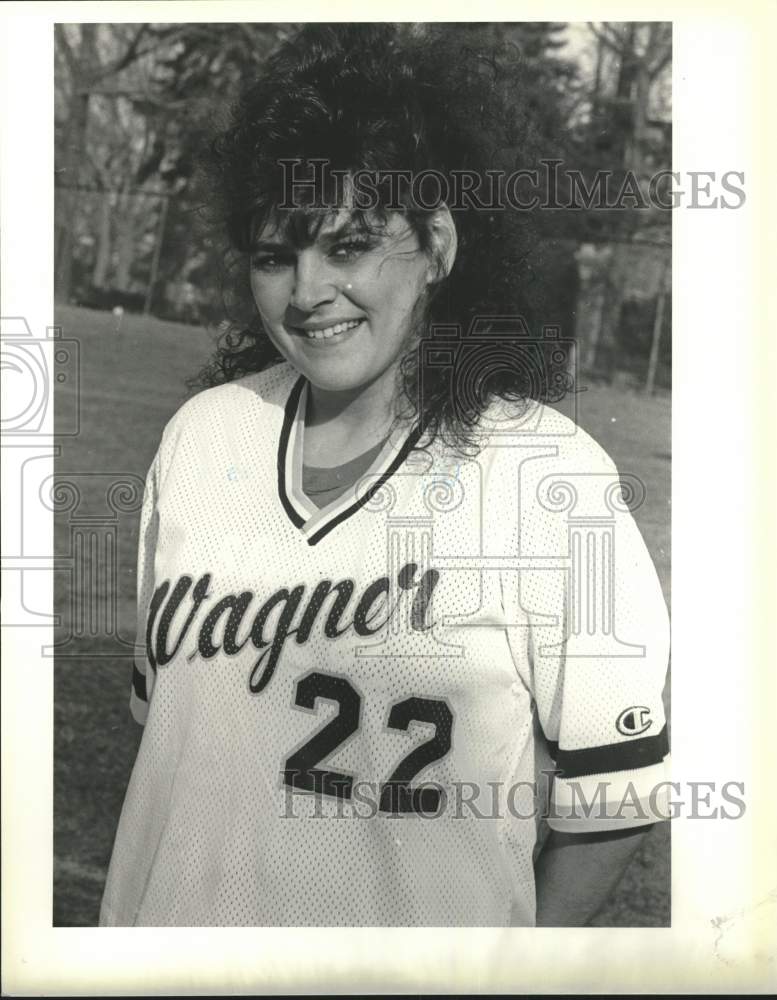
x=576, y=872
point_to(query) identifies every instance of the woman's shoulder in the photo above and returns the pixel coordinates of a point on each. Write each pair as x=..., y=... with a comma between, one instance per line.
x=231, y=400
x=542, y=462
x=208, y=419
x=524, y=428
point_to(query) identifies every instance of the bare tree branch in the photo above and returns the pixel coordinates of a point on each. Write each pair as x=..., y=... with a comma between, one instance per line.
x=135, y=96
x=659, y=65
x=614, y=44
x=100, y=173
x=129, y=55
x=135, y=52
x=66, y=49
x=659, y=49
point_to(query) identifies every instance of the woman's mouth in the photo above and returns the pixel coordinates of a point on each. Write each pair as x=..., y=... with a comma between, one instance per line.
x=328, y=332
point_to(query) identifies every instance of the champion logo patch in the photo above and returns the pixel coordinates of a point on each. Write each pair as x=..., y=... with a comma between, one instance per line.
x=633, y=721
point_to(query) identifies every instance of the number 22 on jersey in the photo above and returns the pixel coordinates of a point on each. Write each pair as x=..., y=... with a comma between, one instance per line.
x=397, y=794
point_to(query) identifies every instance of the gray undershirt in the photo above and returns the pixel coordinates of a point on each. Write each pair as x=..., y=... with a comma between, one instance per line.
x=325, y=485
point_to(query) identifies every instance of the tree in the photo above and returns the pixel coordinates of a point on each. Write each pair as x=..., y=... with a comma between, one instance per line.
x=120, y=128
x=91, y=59
x=628, y=133
x=642, y=53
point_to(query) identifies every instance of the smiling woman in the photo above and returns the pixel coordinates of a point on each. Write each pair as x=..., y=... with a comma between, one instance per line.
x=377, y=98
x=340, y=309
x=379, y=670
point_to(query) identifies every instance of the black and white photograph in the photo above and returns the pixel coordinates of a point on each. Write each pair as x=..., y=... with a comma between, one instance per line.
x=353, y=425
x=386, y=584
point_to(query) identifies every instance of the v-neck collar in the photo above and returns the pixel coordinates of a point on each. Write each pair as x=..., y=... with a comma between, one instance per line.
x=315, y=523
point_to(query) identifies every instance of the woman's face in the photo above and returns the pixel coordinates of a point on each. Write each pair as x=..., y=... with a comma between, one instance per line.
x=339, y=309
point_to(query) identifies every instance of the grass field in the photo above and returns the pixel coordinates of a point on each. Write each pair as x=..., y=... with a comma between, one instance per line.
x=132, y=374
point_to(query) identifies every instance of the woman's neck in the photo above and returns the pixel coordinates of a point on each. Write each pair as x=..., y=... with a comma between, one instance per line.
x=341, y=425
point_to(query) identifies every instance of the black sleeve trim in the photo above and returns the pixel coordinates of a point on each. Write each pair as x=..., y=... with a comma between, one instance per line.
x=626, y=756
x=139, y=683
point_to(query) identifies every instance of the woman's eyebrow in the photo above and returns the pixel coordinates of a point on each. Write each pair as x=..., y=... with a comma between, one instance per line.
x=269, y=246
x=346, y=229
x=342, y=231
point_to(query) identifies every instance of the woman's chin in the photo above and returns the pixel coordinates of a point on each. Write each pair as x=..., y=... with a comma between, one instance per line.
x=339, y=377
x=335, y=381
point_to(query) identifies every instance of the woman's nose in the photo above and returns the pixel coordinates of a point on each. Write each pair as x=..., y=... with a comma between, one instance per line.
x=313, y=285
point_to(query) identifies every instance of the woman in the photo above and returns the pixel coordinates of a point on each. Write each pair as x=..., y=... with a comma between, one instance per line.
x=378, y=658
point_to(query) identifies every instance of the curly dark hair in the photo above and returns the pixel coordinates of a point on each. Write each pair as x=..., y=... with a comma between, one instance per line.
x=382, y=97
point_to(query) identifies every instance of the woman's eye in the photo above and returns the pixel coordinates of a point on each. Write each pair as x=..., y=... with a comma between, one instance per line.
x=269, y=262
x=349, y=249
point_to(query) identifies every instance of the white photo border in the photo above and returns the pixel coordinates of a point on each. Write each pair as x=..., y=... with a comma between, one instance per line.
x=724, y=904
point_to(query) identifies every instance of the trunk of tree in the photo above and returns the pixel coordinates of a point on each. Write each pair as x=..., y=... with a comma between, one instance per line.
x=640, y=106
x=103, y=260
x=126, y=243
x=658, y=323
x=595, y=99
x=84, y=61
x=624, y=95
x=593, y=272
x=607, y=346
x=158, y=243
x=78, y=120
x=630, y=128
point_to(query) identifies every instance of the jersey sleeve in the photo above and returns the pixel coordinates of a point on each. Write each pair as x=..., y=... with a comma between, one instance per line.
x=590, y=631
x=142, y=673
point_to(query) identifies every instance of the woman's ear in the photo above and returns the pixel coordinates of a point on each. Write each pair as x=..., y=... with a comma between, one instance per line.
x=444, y=243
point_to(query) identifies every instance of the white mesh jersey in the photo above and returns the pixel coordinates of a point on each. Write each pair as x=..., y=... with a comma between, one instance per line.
x=350, y=712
